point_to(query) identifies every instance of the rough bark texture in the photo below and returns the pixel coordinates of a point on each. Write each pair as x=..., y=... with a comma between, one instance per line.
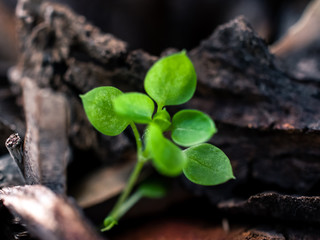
x=46, y=147
x=267, y=115
x=283, y=207
x=46, y=215
x=268, y=120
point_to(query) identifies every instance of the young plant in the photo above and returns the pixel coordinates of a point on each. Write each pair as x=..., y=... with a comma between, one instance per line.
x=170, y=81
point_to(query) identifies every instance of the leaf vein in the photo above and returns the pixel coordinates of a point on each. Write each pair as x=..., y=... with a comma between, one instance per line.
x=201, y=163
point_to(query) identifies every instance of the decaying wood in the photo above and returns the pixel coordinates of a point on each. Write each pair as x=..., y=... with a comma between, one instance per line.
x=284, y=207
x=46, y=215
x=14, y=146
x=268, y=121
x=46, y=148
x=268, y=118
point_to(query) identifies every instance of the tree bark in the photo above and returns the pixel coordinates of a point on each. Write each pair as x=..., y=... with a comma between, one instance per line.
x=46, y=215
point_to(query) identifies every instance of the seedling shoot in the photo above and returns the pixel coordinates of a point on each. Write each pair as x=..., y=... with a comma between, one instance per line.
x=170, y=81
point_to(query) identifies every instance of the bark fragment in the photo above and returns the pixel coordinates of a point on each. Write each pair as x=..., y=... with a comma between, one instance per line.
x=46, y=148
x=279, y=206
x=46, y=215
x=268, y=121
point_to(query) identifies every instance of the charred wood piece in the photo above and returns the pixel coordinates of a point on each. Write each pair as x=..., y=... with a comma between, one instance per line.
x=14, y=145
x=284, y=207
x=46, y=215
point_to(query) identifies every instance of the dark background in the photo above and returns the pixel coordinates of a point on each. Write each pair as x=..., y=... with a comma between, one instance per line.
x=154, y=25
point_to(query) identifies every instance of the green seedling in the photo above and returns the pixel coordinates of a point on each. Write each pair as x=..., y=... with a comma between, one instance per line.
x=170, y=81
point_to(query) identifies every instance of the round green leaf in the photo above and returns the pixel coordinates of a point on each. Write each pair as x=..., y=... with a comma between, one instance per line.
x=171, y=80
x=162, y=119
x=152, y=189
x=137, y=107
x=167, y=158
x=97, y=104
x=190, y=127
x=207, y=165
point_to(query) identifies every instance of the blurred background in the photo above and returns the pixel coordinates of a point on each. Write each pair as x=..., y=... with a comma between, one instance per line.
x=154, y=25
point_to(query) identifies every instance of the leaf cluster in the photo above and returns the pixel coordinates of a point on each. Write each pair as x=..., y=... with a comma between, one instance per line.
x=170, y=81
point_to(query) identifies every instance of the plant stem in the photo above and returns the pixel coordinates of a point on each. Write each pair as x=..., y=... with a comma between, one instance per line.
x=123, y=197
x=138, y=139
x=159, y=108
x=122, y=206
x=131, y=201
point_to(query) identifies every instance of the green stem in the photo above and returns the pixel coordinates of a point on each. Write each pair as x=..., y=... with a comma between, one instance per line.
x=121, y=206
x=131, y=201
x=138, y=138
x=159, y=108
x=123, y=197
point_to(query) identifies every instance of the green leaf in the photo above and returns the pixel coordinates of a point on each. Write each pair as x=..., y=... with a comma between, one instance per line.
x=171, y=80
x=167, y=158
x=162, y=119
x=137, y=107
x=152, y=189
x=190, y=127
x=99, y=110
x=207, y=165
